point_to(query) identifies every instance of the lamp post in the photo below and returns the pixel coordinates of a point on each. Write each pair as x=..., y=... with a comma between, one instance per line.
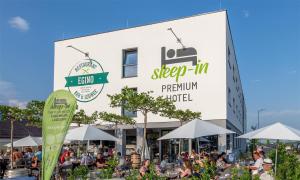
x=258, y=112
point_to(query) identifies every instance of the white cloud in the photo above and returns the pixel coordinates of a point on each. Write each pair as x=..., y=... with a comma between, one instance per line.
x=7, y=90
x=246, y=13
x=8, y=95
x=19, y=23
x=17, y=103
x=256, y=80
x=292, y=71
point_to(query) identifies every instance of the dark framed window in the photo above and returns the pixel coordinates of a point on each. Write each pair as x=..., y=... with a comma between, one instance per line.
x=233, y=104
x=229, y=97
x=129, y=65
x=228, y=57
x=127, y=113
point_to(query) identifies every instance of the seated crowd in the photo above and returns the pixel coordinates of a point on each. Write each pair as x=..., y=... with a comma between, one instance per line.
x=194, y=164
x=187, y=165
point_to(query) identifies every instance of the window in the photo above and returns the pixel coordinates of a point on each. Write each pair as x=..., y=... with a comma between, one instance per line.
x=233, y=103
x=228, y=57
x=130, y=63
x=229, y=97
x=228, y=143
x=129, y=113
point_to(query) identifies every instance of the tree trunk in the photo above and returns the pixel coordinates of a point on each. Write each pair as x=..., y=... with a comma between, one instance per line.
x=116, y=135
x=11, y=141
x=145, y=136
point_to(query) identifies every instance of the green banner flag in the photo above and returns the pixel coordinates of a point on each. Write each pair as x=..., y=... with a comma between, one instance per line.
x=58, y=113
x=87, y=79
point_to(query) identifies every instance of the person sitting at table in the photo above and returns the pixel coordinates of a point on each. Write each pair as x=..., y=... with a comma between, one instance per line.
x=17, y=157
x=267, y=174
x=164, y=162
x=221, y=162
x=67, y=162
x=186, y=171
x=100, y=161
x=86, y=159
x=28, y=153
x=193, y=155
x=39, y=153
x=73, y=158
x=214, y=155
x=65, y=153
x=145, y=168
x=3, y=164
x=257, y=167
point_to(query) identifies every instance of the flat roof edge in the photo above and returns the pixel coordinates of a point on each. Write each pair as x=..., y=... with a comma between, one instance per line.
x=147, y=24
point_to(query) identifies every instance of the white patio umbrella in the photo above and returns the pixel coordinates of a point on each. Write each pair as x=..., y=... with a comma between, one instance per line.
x=27, y=141
x=276, y=131
x=88, y=132
x=194, y=129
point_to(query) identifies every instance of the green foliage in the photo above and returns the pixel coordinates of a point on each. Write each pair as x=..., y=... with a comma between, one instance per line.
x=107, y=172
x=117, y=119
x=245, y=175
x=288, y=165
x=181, y=115
x=131, y=100
x=210, y=170
x=134, y=175
x=240, y=174
x=81, y=117
x=153, y=174
x=12, y=113
x=34, y=113
x=253, y=143
x=80, y=172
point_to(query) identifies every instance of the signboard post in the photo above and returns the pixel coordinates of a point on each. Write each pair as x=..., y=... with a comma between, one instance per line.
x=58, y=113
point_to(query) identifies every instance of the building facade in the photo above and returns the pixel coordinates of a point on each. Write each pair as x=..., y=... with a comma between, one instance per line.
x=199, y=72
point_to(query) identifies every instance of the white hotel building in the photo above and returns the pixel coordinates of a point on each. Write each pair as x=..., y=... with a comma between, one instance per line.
x=201, y=74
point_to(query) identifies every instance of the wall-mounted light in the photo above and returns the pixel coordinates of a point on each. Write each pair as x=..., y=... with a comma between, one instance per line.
x=177, y=38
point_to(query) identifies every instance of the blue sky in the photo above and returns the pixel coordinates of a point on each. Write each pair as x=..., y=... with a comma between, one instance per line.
x=266, y=35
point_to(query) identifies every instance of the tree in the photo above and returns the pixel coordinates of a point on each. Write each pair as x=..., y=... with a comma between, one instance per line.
x=34, y=113
x=143, y=102
x=81, y=117
x=13, y=114
x=116, y=119
x=181, y=115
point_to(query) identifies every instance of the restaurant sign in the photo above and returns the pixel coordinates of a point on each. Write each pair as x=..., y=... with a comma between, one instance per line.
x=86, y=80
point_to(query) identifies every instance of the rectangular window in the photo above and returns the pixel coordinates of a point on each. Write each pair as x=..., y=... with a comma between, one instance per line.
x=228, y=57
x=130, y=63
x=228, y=141
x=229, y=97
x=129, y=113
x=233, y=103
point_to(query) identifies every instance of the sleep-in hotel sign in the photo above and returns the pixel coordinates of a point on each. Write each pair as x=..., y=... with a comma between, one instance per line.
x=172, y=67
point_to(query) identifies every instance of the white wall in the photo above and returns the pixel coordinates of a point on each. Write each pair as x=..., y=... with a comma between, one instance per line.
x=206, y=33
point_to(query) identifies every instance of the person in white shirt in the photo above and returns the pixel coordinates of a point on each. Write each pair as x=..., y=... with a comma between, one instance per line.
x=163, y=163
x=257, y=167
x=268, y=173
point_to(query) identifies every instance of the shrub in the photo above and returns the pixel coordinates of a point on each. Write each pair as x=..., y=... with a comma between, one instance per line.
x=80, y=172
x=288, y=165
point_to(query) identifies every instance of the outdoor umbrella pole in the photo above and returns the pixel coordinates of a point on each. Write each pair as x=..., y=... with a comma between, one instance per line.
x=276, y=152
